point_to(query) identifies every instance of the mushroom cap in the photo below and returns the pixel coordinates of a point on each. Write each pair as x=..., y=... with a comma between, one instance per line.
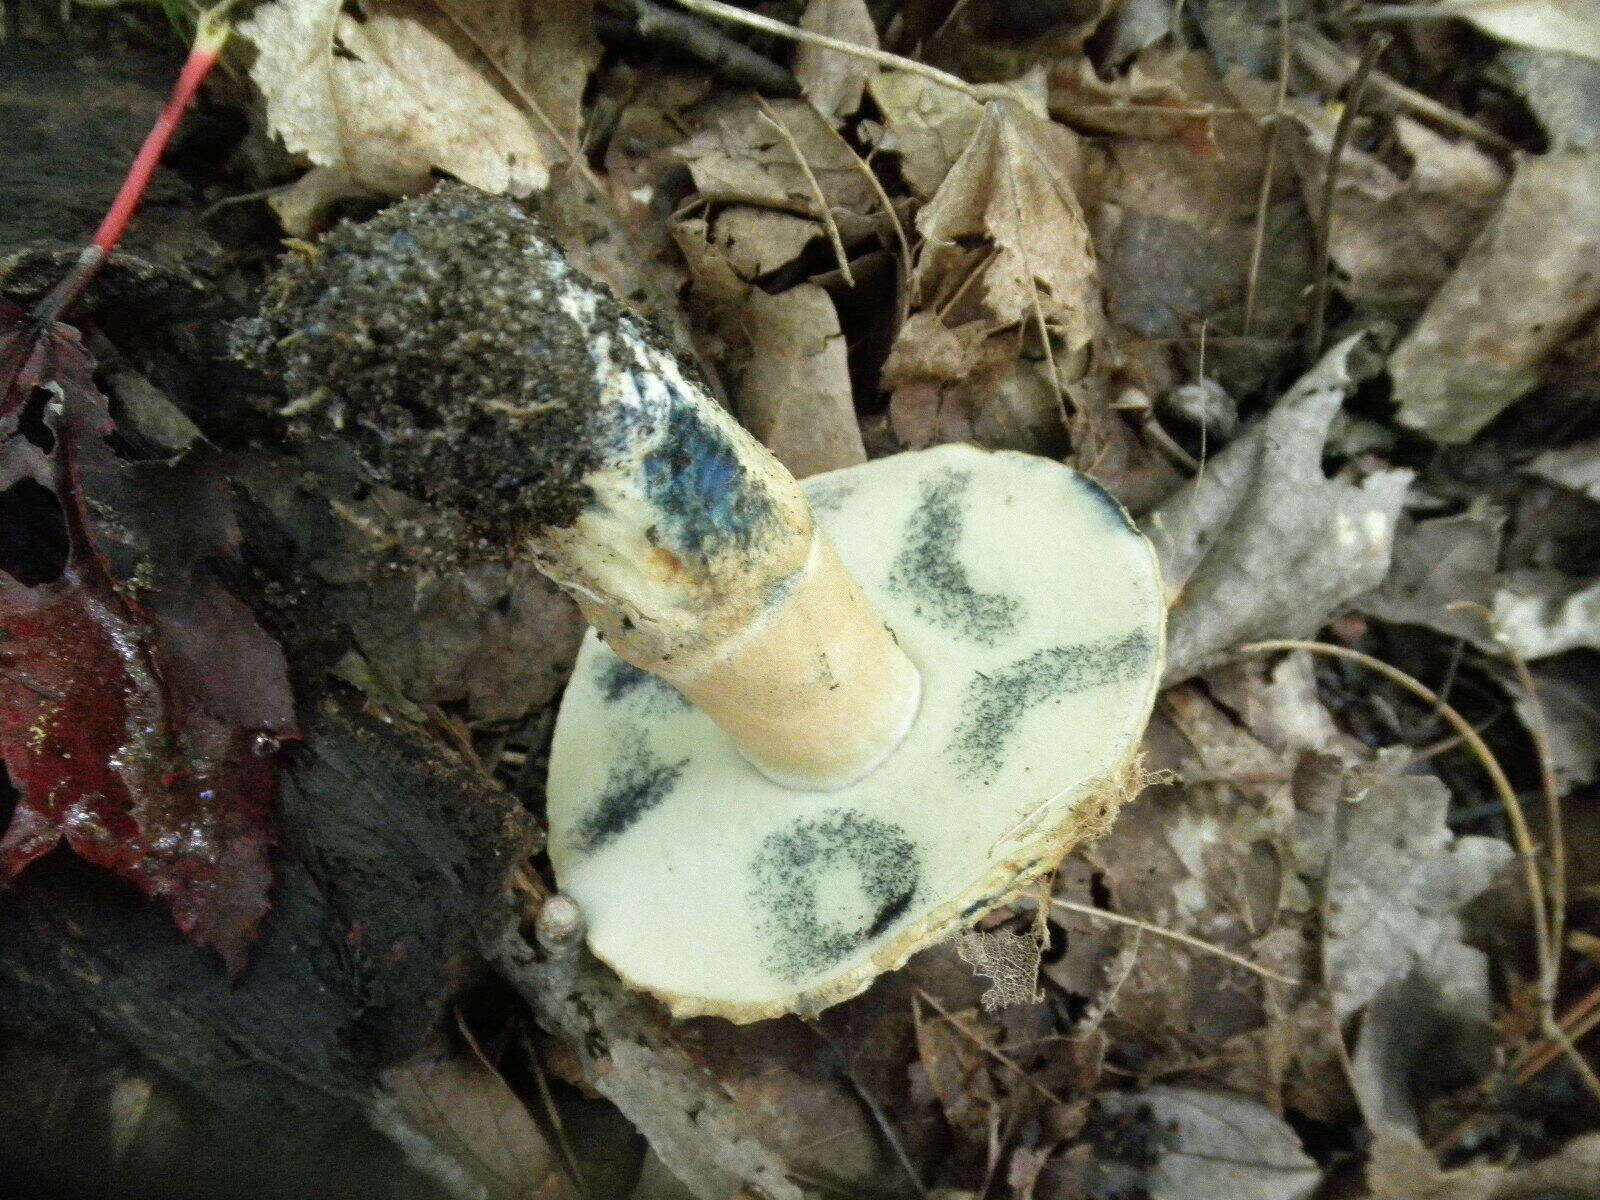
x=1035, y=612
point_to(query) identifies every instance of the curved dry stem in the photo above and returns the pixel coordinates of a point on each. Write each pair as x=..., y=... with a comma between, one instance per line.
x=1194, y=943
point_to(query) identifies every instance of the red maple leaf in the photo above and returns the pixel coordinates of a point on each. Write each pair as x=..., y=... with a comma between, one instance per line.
x=141, y=706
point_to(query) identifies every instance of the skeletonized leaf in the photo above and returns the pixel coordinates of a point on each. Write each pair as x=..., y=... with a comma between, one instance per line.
x=378, y=99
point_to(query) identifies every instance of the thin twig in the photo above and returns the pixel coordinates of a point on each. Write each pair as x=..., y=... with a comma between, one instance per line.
x=1330, y=187
x=751, y=20
x=731, y=59
x=907, y=278
x=992, y=1051
x=1194, y=943
x=1577, y=1021
x=824, y=210
x=1269, y=170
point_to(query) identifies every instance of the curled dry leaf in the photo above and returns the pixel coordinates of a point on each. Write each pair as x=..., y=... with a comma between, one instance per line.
x=1136, y=104
x=1005, y=251
x=1175, y=230
x=458, y=1120
x=1005, y=239
x=141, y=707
x=377, y=99
x=1526, y=284
x=1562, y=90
x=1543, y=612
x=1576, y=467
x=1439, y=566
x=1567, y=708
x=832, y=80
x=739, y=157
x=1395, y=240
x=1400, y=877
x=794, y=391
x=1261, y=543
x=926, y=125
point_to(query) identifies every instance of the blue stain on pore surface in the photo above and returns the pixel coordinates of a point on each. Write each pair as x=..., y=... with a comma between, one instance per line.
x=638, y=782
x=830, y=497
x=619, y=681
x=783, y=886
x=696, y=481
x=1107, y=503
x=927, y=572
x=996, y=703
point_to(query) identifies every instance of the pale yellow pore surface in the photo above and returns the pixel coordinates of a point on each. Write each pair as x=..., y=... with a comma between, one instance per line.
x=818, y=692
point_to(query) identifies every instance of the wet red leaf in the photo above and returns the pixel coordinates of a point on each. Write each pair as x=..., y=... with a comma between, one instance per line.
x=141, y=706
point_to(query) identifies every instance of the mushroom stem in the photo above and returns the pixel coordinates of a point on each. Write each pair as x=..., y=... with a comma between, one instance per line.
x=479, y=373
x=693, y=552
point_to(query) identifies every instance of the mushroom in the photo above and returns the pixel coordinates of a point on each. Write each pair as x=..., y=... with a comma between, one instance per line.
x=815, y=727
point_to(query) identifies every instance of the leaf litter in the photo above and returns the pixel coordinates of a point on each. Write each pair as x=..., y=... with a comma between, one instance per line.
x=1105, y=249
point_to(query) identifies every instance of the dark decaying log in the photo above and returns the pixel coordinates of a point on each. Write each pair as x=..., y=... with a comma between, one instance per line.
x=394, y=860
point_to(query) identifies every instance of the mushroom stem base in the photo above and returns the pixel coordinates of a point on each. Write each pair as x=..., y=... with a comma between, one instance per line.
x=817, y=693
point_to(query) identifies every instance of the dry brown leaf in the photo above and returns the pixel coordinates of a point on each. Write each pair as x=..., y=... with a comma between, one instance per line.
x=832, y=80
x=1525, y=285
x=457, y=1120
x=378, y=99
x=1262, y=543
x=1002, y=402
x=1212, y=1144
x=958, y=1075
x=1545, y=612
x=1576, y=467
x=1175, y=231
x=1439, y=565
x=926, y=125
x=1011, y=195
x=758, y=241
x=738, y=157
x=794, y=392
x=1136, y=104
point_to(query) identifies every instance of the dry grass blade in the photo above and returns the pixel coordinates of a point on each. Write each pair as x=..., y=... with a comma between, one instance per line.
x=1194, y=943
x=1330, y=187
x=1269, y=171
x=824, y=212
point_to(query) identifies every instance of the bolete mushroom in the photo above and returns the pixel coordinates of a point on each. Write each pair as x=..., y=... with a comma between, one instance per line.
x=816, y=726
